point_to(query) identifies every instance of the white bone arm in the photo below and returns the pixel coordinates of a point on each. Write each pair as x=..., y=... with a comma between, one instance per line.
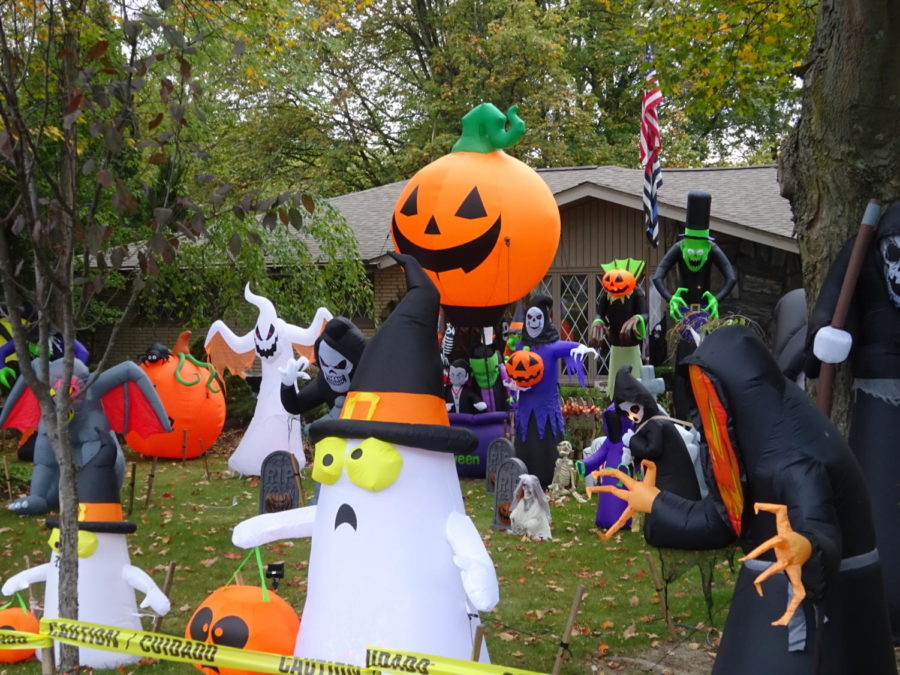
x=475, y=565
x=268, y=527
x=24, y=579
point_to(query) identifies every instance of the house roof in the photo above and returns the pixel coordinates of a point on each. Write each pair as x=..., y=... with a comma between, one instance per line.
x=746, y=201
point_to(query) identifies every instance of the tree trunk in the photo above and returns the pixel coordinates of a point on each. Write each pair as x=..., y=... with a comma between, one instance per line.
x=845, y=148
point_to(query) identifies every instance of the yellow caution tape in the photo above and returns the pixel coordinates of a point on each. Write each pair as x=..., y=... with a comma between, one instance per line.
x=173, y=648
x=16, y=639
x=426, y=664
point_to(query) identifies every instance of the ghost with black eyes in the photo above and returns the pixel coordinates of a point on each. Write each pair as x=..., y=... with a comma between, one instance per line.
x=273, y=341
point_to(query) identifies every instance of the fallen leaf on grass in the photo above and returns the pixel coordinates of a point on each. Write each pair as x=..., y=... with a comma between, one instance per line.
x=603, y=648
x=634, y=601
x=508, y=636
x=233, y=556
x=518, y=654
x=209, y=561
x=629, y=632
x=607, y=624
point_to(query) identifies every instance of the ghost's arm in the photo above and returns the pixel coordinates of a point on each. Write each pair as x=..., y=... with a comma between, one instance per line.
x=475, y=565
x=139, y=580
x=268, y=527
x=237, y=343
x=24, y=579
x=306, y=337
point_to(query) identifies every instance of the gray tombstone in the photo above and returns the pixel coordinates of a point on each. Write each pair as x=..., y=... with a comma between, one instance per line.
x=504, y=489
x=279, y=483
x=498, y=451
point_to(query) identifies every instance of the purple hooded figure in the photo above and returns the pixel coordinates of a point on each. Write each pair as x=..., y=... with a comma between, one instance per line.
x=539, y=419
x=610, y=455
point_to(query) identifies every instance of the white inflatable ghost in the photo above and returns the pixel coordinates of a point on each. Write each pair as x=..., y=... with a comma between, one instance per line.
x=106, y=584
x=273, y=341
x=394, y=562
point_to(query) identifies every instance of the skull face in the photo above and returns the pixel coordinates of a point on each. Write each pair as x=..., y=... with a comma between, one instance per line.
x=534, y=322
x=458, y=376
x=634, y=411
x=890, y=252
x=335, y=367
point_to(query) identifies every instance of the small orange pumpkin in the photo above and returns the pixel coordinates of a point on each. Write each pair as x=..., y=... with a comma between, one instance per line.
x=238, y=616
x=483, y=225
x=525, y=367
x=619, y=282
x=16, y=618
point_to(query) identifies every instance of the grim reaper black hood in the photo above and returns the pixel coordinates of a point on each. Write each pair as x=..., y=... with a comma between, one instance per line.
x=549, y=333
x=628, y=388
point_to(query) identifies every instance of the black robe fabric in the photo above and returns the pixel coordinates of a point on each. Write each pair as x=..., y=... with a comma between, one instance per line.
x=790, y=454
x=874, y=323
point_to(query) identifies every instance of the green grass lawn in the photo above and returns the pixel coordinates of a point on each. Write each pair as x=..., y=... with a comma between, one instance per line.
x=619, y=627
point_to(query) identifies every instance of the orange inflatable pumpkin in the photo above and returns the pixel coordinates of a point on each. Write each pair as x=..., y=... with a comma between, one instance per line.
x=525, y=367
x=483, y=225
x=16, y=618
x=619, y=282
x=238, y=616
x=193, y=400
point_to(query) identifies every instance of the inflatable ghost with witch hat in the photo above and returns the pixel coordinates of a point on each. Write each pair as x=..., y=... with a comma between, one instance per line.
x=106, y=578
x=272, y=339
x=395, y=562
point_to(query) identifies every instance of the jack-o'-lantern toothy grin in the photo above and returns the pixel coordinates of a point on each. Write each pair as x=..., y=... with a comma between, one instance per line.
x=466, y=257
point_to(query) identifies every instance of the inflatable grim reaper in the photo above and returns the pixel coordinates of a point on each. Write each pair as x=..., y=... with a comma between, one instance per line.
x=786, y=487
x=121, y=399
x=272, y=428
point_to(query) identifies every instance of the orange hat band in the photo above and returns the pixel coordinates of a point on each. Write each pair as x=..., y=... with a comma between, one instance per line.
x=395, y=406
x=100, y=513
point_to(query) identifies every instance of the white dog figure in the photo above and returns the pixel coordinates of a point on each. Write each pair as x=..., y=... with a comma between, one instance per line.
x=530, y=513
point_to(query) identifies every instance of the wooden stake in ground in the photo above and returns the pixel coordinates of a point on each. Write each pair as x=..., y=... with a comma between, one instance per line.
x=183, y=445
x=166, y=589
x=32, y=601
x=476, y=645
x=150, y=483
x=48, y=661
x=8, y=484
x=205, y=460
x=131, y=487
x=570, y=623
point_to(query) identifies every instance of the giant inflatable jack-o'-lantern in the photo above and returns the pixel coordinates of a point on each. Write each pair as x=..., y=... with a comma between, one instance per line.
x=483, y=225
x=245, y=617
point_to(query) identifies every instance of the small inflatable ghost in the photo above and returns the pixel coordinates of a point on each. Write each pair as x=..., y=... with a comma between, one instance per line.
x=395, y=562
x=272, y=428
x=106, y=578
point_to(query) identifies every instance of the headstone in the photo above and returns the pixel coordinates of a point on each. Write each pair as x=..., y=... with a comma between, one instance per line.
x=279, y=483
x=498, y=451
x=654, y=385
x=504, y=489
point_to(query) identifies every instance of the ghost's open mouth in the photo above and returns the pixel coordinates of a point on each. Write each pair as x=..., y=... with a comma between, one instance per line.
x=345, y=514
x=267, y=353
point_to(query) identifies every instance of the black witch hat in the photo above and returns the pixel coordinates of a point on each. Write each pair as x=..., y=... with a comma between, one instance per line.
x=397, y=391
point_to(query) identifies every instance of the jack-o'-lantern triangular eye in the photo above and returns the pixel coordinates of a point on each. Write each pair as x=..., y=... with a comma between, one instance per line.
x=472, y=207
x=411, y=206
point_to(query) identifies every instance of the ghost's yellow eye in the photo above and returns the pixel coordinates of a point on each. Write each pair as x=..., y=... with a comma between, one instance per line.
x=374, y=465
x=329, y=460
x=87, y=542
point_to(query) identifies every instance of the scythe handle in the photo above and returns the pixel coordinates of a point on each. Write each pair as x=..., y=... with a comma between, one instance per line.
x=864, y=236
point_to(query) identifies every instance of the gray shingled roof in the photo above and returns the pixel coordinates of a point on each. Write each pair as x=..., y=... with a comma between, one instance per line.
x=745, y=201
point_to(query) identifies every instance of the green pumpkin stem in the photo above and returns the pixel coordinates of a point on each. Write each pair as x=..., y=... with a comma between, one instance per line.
x=484, y=129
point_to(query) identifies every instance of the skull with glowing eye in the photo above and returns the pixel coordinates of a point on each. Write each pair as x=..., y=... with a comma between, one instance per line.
x=335, y=367
x=890, y=253
x=534, y=322
x=634, y=411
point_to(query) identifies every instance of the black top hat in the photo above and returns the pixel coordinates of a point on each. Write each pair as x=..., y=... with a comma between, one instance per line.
x=397, y=391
